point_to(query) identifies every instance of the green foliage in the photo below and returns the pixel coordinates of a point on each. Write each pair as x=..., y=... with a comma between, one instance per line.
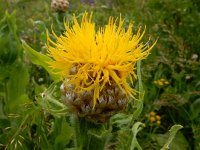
x=194, y=108
x=136, y=128
x=8, y=39
x=89, y=136
x=40, y=59
x=179, y=143
x=172, y=133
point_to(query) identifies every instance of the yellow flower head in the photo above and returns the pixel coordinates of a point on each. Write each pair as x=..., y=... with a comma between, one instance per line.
x=91, y=57
x=161, y=82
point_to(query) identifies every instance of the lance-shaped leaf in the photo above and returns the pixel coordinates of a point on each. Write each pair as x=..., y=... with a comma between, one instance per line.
x=40, y=59
x=174, y=129
x=135, y=129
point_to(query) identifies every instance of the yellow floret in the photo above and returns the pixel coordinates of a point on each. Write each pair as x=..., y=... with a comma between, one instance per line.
x=101, y=56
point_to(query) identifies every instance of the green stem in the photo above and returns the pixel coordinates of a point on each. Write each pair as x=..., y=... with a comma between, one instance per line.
x=89, y=136
x=6, y=92
x=139, y=102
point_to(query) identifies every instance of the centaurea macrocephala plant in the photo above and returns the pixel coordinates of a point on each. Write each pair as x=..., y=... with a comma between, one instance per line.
x=95, y=64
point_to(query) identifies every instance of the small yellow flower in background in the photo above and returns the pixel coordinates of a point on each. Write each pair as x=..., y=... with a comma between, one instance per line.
x=161, y=82
x=166, y=82
x=92, y=57
x=158, y=122
x=152, y=113
x=154, y=118
x=157, y=117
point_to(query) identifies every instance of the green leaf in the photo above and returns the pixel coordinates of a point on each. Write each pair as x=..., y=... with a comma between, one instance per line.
x=50, y=103
x=40, y=59
x=9, y=41
x=4, y=73
x=11, y=21
x=88, y=135
x=97, y=140
x=64, y=136
x=121, y=120
x=172, y=132
x=141, y=89
x=194, y=108
x=179, y=143
x=139, y=103
x=16, y=87
x=4, y=123
x=135, y=129
x=2, y=114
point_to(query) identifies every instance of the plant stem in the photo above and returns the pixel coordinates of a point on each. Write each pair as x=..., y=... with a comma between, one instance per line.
x=88, y=135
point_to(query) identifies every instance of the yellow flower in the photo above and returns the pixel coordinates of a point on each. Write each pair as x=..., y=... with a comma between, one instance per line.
x=162, y=80
x=99, y=56
x=152, y=114
x=152, y=119
x=160, y=83
x=166, y=82
x=157, y=117
x=158, y=122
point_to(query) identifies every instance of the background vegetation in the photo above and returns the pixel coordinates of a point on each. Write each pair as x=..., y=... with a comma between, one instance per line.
x=170, y=74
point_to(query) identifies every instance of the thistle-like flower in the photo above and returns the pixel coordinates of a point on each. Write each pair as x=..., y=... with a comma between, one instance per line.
x=59, y=5
x=96, y=63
